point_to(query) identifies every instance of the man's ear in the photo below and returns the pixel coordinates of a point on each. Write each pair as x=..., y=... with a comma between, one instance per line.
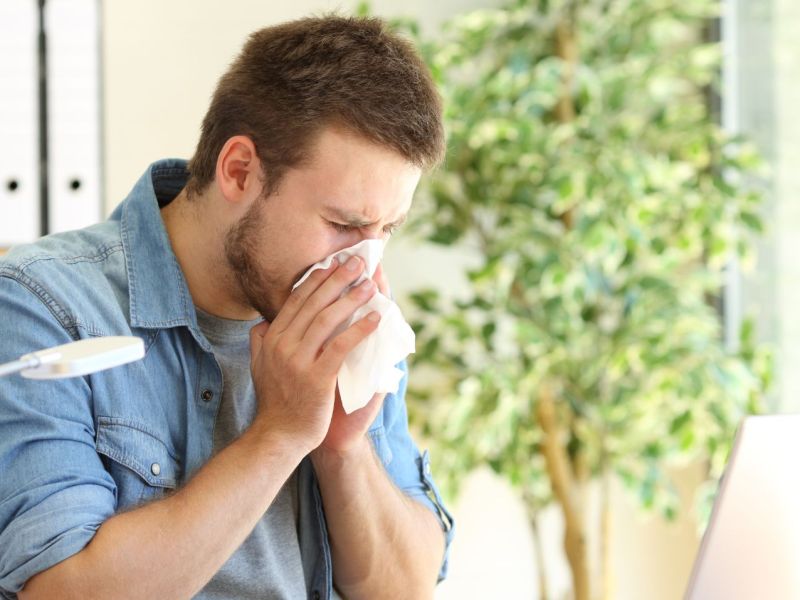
x=238, y=174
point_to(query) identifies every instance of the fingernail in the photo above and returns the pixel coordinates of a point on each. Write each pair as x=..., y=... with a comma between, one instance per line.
x=374, y=316
x=352, y=263
x=366, y=285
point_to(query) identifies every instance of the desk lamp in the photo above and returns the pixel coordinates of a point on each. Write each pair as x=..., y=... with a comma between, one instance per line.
x=77, y=358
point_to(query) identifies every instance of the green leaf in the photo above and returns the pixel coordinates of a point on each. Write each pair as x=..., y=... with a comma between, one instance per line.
x=426, y=300
x=680, y=422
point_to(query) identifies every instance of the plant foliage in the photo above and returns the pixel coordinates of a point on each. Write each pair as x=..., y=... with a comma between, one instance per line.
x=604, y=202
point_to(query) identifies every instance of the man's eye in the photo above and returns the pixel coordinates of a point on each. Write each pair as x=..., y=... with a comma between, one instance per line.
x=344, y=228
x=341, y=226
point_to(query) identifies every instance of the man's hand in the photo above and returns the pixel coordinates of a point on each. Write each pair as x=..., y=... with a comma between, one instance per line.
x=294, y=369
x=346, y=431
x=383, y=543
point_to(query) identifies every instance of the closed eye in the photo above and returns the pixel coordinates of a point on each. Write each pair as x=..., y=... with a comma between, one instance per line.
x=346, y=228
x=341, y=227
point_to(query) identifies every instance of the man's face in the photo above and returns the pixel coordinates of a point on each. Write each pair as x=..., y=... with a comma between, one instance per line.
x=349, y=190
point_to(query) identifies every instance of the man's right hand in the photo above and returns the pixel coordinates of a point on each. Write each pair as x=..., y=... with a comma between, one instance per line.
x=294, y=364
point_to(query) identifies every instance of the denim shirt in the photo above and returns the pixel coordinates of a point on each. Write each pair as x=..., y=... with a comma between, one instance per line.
x=73, y=452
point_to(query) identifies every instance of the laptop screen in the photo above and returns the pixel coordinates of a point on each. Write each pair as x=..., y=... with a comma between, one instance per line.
x=751, y=548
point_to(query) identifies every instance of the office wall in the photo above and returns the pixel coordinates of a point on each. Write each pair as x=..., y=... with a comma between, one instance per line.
x=162, y=60
x=160, y=63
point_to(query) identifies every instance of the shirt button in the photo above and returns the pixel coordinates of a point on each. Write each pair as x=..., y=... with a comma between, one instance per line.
x=316, y=595
x=155, y=469
x=207, y=395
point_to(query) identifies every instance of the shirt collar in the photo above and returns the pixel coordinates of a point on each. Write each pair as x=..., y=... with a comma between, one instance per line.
x=159, y=294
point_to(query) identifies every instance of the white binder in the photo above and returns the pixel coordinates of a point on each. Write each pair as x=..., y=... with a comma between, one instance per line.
x=19, y=122
x=73, y=98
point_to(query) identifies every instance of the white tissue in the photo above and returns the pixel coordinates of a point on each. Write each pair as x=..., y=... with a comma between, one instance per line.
x=370, y=369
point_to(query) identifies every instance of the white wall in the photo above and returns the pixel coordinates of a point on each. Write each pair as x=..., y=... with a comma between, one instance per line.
x=494, y=555
x=160, y=63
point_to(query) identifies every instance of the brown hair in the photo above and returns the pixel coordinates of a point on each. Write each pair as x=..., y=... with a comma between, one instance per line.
x=292, y=80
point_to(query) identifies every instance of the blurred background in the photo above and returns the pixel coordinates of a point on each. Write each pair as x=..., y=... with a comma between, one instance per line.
x=602, y=275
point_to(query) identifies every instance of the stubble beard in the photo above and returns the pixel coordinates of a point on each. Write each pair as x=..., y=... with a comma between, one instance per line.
x=242, y=244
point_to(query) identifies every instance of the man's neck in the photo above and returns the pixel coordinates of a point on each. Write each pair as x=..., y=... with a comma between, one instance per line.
x=197, y=235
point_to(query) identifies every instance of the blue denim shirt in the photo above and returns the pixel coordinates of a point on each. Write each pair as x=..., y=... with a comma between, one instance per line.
x=73, y=452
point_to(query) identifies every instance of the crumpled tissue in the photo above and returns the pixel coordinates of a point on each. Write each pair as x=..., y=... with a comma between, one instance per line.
x=370, y=369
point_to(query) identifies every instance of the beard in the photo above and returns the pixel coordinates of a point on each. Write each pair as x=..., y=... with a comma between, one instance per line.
x=243, y=241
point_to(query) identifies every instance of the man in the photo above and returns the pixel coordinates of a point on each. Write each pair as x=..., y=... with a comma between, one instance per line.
x=222, y=465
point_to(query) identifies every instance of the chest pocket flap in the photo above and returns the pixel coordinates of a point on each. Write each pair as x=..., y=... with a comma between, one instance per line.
x=132, y=445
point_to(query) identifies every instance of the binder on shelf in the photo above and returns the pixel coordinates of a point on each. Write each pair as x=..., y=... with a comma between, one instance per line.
x=73, y=101
x=19, y=123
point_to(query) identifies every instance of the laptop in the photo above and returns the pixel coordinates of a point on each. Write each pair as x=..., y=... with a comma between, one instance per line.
x=751, y=548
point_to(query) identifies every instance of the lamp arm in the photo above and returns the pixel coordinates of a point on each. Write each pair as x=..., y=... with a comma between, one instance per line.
x=15, y=366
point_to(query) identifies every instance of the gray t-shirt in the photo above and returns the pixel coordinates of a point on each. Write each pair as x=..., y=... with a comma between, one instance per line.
x=268, y=564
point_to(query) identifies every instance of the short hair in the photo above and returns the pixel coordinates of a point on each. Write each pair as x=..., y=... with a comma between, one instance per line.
x=292, y=80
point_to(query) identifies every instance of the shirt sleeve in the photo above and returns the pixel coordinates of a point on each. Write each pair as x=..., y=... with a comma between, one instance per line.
x=54, y=490
x=409, y=469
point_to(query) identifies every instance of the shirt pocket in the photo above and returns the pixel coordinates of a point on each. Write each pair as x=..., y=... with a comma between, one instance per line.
x=141, y=464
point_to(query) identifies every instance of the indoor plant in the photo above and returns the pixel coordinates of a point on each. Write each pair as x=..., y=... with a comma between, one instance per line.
x=588, y=175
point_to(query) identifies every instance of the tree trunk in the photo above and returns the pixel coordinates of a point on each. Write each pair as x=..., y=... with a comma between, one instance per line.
x=566, y=487
x=567, y=50
x=566, y=492
x=541, y=570
x=605, y=537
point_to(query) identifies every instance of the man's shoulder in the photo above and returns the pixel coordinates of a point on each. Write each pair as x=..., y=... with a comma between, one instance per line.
x=57, y=251
x=75, y=273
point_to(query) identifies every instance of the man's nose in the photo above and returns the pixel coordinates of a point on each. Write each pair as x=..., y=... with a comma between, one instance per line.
x=371, y=233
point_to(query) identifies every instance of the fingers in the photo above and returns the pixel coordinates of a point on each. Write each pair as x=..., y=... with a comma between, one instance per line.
x=257, y=334
x=339, y=347
x=324, y=296
x=259, y=330
x=299, y=296
x=370, y=410
x=327, y=321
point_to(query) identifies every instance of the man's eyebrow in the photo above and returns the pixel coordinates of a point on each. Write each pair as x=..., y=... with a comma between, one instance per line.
x=356, y=220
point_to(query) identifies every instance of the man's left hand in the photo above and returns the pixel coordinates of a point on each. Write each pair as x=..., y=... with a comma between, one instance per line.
x=347, y=431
